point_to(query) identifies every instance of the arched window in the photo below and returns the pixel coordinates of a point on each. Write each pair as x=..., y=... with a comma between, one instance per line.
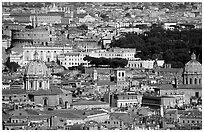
x=31, y=85
x=200, y=81
x=119, y=74
x=190, y=80
x=45, y=102
x=123, y=74
x=40, y=84
x=186, y=80
x=195, y=81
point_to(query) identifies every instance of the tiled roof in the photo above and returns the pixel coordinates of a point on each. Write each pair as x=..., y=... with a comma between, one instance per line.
x=16, y=124
x=171, y=111
x=53, y=91
x=13, y=91
x=170, y=70
x=166, y=87
x=189, y=86
x=105, y=82
x=85, y=102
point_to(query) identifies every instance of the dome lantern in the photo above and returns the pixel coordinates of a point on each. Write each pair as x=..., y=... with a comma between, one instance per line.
x=193, y=56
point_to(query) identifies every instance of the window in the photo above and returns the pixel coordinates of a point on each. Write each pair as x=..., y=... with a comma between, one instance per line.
x=195, y=81
x=197, y=94
x=31, y=84
x=40, y=84
x=123, y=74
x=186, y=80
x=190, y=80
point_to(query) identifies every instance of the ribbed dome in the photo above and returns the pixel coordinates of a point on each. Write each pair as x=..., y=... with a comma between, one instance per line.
x=193, y=66
x=37, y=68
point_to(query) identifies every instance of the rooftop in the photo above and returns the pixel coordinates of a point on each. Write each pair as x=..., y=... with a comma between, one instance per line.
x=13, y=91
x=85, y=102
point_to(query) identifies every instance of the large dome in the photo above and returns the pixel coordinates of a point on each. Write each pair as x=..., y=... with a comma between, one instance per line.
x=36, y=68
x=193, y=66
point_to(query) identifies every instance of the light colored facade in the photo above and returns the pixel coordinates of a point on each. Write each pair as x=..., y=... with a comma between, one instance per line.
x=46, y=53
x=39, y=36
x=36, y=75
x=48, y=18
x=86, y=19
x=193, y=72
x=115, y=53
x=17, y=57
x=147, y=64
x=128, y=100
x=71, y=59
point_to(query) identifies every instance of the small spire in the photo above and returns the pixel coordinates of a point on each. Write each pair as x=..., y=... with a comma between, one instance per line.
x=193, y=56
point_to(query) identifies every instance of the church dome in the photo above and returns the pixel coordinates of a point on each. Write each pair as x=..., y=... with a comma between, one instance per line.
x=36, y=67
x=193, y=66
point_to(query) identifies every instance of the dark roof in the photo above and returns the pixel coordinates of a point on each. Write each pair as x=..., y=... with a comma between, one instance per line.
x=105, y=82
x=16, y=124
x=170, y=70
x=51, y=14
x=13, y=91
x=80, y=15
x=5, y=116
x=64, y=113
x=85, y=102
x=51, y=91
x=189, y=86
x=166, y=87
x=31, y=112
x=171, y=111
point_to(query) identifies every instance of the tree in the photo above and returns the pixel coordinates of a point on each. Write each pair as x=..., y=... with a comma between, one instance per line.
x=168, y=55
x=113, y=63
x=29, y=27
x=127, y=15
x=11, y=65
x=83, y=27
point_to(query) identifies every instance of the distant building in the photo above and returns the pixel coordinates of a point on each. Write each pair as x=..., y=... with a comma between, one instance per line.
x=147, y=64
x=47, y=18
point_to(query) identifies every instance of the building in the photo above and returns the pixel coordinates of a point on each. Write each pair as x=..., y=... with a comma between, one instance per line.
x=129, y=99
x=45, y=54
x=193, y=72
x=14, y=95
x=47, y=18
x=42, y=36
x=126, y=53
x=37, y=84
x=147, y=64
x=36, y=75
x=83, y=104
